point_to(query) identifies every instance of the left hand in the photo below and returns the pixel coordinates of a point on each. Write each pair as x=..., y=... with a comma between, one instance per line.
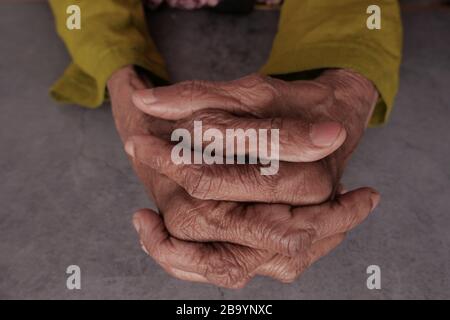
x=321, y=122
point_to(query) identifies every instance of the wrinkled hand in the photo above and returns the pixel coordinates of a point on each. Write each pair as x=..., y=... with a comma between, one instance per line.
x=232, y=266
x=320, y=123
x=251, y=235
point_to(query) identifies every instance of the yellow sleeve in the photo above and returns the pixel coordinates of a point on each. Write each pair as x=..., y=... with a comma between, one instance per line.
x=318, y=34
x=113, y=34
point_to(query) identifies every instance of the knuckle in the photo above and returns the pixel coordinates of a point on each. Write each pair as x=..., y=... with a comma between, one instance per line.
x=255, y=80
x=179, y=224
x=268, y=93
x=216, y=216
x=317, y=183
x=182, y=221
x=312, y=223
x=307, y=226
x=299, y=241
x=303, y=241
x=197, y=182
x=227, y=271
x=272, y=185
x=327, y=95
x=258, y=89
x=192, y=89
x=200, y=222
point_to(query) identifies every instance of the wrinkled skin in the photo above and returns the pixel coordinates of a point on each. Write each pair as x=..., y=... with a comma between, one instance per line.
x=221, y=242
x=332, y=110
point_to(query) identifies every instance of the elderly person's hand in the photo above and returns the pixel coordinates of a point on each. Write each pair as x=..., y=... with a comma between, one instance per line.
x=228, y=242
x=320, y=123
x=318, y=229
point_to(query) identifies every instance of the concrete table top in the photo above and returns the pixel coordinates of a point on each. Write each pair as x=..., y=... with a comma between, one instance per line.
x=67, y=192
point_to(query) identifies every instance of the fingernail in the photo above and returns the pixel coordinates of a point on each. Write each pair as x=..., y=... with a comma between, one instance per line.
x=137, y=224
x=325, y=134
x=375, y=200
x=147, y=96
x=144, y=248
x=129, y=148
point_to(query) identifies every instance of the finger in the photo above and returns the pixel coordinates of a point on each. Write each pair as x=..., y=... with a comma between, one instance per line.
x=339, y=216
x=220, y=264
x=258, y=226
x=255, y=94
x=277, y=228
x=183, y=99
x=268, y=227
x=177, y=273
x=271, y=227
x=286, y=139
x=323, y=247
x=289, y=232
x=287, y=269
x=295, y=183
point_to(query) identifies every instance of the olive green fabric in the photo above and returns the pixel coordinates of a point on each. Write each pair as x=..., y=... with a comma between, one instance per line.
x=312, y=35
x=113, y=34
x=318, y=34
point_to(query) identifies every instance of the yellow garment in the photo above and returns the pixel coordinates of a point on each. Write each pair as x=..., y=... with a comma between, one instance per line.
x=313, y=34
x=113, y=34
x=317, y=34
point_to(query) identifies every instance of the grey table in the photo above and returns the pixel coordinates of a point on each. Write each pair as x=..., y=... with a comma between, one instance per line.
x=67, y=192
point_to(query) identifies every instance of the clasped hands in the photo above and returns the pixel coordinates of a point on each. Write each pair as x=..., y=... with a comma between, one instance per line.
x=224, y=224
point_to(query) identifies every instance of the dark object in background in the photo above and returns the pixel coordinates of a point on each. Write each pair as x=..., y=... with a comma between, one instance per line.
x=235, y=6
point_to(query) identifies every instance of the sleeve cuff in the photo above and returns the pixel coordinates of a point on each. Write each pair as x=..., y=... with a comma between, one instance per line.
x=88, y=89
x=372, y=62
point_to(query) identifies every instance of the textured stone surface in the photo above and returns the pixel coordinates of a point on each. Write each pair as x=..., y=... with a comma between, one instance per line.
x=67, y=191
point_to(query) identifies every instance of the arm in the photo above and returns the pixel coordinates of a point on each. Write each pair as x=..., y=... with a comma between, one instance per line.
x=113, y=34
x=318, y=34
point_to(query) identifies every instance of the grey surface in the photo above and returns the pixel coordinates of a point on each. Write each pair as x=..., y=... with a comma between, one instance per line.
x=67, y=192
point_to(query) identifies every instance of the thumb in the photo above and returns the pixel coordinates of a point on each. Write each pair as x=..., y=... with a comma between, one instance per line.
x=296, y=139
